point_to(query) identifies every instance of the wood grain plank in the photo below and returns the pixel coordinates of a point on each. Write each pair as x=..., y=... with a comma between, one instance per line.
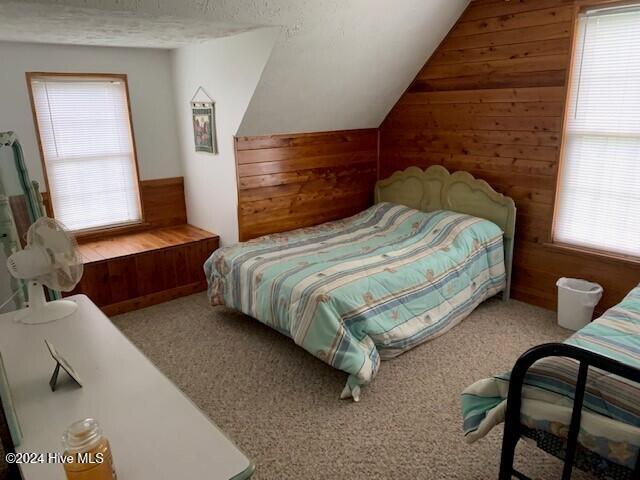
x=144, y=301
x=306, y=163
x=558, y=46
x=163, y=202
x=493, y=8
x=551, y=78
x=504, y=137
x=499, y=95
x=303, y=139
x=489, y=151
x=361, y=181
x=291, y=222
x=141, y=242
x=123, y=282
x=479, y=105
x=312, y=201
x=492, y=109
x=496, y=67
x=459, y=122
x=297, y=180
x=510, y=37
x=139, y=269
x=303, y=151
x=547, y=16
x=311, y=176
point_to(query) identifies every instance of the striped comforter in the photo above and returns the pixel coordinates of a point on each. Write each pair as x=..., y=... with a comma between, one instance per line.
x=368, y=287
x=611, y=416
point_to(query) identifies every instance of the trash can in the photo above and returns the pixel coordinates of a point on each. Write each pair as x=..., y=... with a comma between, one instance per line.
x=576, y=301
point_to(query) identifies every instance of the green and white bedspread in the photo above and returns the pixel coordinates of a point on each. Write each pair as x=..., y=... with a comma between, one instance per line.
x=368, y=287
x=610, y=424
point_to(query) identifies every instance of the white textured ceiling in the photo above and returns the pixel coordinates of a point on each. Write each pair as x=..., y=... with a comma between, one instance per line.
x=55, y=23
x=338, y=64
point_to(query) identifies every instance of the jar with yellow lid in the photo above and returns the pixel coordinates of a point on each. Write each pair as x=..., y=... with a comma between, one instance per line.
x=88, y=452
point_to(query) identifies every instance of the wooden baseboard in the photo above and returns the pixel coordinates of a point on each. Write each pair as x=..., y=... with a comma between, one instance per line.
x=153, y=299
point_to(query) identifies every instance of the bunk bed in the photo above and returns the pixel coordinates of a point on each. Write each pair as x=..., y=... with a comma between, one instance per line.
x=578, y=400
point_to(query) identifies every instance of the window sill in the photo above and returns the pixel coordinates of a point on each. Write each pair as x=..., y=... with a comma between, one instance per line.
x=589, y=253
x=83, y=236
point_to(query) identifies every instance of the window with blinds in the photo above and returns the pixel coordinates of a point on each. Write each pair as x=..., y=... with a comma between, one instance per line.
x=598, y=200
x=87, y=145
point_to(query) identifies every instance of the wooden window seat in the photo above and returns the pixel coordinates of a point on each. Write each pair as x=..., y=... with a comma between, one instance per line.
x=134, y=270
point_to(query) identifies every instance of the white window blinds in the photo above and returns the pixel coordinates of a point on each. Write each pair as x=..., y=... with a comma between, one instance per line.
x=599, y=189
x=87, y=145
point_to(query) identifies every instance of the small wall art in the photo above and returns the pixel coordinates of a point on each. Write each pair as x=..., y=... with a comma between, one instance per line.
x=204, y=122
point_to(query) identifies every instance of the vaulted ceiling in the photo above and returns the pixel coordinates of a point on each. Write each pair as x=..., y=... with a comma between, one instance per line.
x=338, y=64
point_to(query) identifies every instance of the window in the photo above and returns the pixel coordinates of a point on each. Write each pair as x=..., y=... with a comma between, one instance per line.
x=598, y=200
x=87, y=147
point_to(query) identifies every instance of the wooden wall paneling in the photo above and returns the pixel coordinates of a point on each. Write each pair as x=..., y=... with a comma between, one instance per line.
x=298, y=180
x=162, y=201
x=123, y=280
x=491, y=101
x=151, y=268
x=136, y=270
x=95, y=283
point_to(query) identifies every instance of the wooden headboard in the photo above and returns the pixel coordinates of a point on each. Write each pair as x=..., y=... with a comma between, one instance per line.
x=437, y=189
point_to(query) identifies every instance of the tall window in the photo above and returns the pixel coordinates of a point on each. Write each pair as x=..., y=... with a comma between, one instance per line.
x=598, y=201
x=87, y=147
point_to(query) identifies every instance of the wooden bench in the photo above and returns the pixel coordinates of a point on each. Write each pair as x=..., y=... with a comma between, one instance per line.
x=134, y=270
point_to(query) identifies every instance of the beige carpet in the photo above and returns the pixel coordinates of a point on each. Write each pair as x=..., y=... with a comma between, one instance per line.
x=280, y=405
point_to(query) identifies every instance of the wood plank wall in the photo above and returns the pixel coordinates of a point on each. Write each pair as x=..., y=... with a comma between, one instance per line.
x=162, y=201
x=298, y=180
x=491, y=101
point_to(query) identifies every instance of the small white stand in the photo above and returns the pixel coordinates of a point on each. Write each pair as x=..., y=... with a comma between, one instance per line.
x=40, y=311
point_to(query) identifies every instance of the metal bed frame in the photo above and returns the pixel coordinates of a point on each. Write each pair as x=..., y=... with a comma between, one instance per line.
x=513, y=427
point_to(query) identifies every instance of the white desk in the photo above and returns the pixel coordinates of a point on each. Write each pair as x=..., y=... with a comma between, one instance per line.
x=155, y=431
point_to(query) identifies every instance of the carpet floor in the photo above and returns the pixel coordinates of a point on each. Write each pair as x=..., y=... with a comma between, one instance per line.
x=280, y=405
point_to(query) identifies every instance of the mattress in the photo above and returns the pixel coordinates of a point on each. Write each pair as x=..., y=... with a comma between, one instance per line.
x=367, y=287
x=610, y=426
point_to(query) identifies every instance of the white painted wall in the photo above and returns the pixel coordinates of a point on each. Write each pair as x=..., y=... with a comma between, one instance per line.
x=229, y=70
x=150, y=89
x=344, y=64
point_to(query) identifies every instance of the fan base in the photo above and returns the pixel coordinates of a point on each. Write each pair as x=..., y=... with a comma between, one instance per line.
x=49, y=312
x=41, y=311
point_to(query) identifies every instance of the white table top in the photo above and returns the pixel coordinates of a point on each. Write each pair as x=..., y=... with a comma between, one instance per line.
x=155, y=431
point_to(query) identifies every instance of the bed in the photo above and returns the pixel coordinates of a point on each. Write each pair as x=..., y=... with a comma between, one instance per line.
x=604, y=439
x=370, y=287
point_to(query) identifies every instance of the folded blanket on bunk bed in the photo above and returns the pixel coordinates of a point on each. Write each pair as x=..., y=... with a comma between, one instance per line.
x=610, y=425
x=370, y=286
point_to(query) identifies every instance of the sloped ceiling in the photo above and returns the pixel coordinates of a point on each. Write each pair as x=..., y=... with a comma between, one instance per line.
x=345, y=63
x=338, y=64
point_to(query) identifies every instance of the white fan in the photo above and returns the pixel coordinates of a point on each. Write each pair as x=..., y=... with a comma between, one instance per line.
x=50, y=258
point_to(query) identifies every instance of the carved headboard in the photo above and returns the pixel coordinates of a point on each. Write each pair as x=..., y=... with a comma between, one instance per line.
x=437, y=189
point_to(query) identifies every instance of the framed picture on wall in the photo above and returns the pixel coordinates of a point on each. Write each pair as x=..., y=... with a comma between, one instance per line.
x=204, y=123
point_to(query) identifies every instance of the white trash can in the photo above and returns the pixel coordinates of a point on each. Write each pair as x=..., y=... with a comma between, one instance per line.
x=576, y=301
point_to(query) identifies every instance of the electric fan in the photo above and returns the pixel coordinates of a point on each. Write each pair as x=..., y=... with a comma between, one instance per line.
x=50, y=258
